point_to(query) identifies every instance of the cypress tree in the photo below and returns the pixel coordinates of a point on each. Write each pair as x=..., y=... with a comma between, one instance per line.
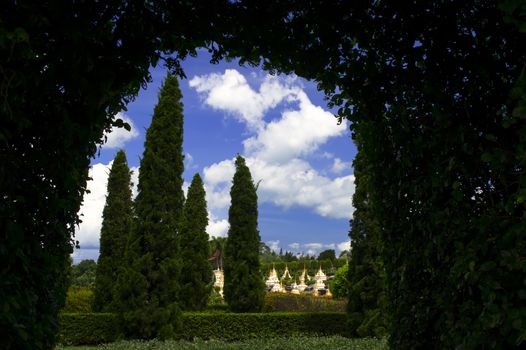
x=244, y=288
x=196, y=274
x=116, y=224
x=149, y=289
x=366, y=307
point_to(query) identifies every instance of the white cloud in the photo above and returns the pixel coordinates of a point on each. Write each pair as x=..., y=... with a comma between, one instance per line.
x=134, y=180
x=273, y=245
x=88, y=233
x=217, y=228
x=189, y=163
x=117, y=137
x=314, y=246
x=219, y=172
x=344, y=246
x=231, y=92
x=294, y=246
x=295, y=183
x=338, y=166
x=298, y=133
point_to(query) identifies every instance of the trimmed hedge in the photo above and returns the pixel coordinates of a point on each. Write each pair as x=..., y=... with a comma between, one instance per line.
x=97, y=328
x=235, y=326
x=279, y=302
x=88, y=328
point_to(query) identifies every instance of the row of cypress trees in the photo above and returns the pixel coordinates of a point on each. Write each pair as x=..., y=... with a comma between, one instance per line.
x=154, y=252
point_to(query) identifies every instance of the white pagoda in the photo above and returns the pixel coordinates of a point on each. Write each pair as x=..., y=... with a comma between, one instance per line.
x=302, y=285
x=286, y=274
x=320, y=278
x=272, y=279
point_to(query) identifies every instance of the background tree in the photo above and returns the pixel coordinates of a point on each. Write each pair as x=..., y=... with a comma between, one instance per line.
x=328, y=254
x=366, y=276
x=267, y=255
x=148, y=291
x=244, y=287
x=83, y=274
x=196, y=274
x=117, y=219
x=289, y=256
x=340, y=284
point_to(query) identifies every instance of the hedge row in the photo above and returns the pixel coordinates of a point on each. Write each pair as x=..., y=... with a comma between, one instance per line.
x=235, y=326
x=96, y=328
x=87, y=328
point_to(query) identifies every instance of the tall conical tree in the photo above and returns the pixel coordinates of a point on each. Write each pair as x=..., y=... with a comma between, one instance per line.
x=196, y=274
x=367, y=301
x=149, y=290
x=244, y=288
x=116, y=224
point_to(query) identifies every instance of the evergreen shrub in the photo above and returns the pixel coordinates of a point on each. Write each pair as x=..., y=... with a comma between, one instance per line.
x=79, y=299
x=278, y=302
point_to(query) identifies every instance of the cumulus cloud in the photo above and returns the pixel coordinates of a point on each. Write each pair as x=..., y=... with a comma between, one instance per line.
x=217, y=228
x=189, y=162
x=273, y=245
x=294, y=246
x=295, y=183
x=276, y=151
x=338, y=166
x=297, y=133
x=117, y=137
x=344, y=246
x=88, y=233
x=231, y=92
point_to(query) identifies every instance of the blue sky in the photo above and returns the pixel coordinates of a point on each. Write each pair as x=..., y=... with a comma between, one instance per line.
x=280, y=124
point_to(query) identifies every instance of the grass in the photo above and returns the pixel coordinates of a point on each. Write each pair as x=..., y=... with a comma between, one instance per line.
x=296, y=343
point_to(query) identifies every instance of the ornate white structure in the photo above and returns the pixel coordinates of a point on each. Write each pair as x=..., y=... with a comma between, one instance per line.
x=320, y=279
x=272, y=279
x=286, y=273
x=219, y=280
x=302, y=285
x=295, y=289
x=274, y=284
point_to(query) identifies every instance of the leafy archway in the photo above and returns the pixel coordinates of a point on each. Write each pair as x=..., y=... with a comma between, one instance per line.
x=435, y=93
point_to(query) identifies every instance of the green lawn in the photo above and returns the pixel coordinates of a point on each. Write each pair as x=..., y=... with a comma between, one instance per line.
x=296, y=343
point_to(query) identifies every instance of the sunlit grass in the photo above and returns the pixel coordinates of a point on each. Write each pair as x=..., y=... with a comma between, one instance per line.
x=296, y=343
